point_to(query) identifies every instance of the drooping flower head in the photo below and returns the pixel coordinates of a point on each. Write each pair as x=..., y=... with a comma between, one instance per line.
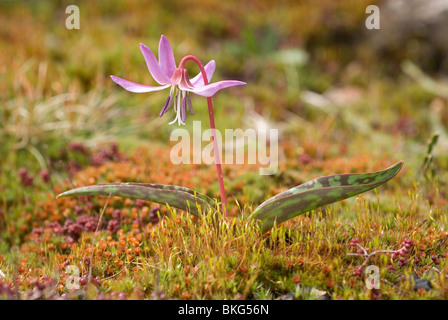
x=168, y=75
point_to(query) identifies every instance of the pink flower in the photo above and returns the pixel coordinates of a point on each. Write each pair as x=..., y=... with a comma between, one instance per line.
x=167, y=75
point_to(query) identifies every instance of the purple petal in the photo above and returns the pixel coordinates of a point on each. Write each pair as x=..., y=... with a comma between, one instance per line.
x=153, y=66
x=135, y=87
x=166, y=57
x=211, y=89
x=209, y=70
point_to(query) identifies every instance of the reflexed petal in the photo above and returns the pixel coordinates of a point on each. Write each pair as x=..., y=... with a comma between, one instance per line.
x=166, y=57
x=211, y=89
x=135, y=87
x=153, y=66
x=209, y=70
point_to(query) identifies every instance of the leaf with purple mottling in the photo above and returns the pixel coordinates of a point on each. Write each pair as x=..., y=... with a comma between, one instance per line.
x=319, y=192
x=174, y=196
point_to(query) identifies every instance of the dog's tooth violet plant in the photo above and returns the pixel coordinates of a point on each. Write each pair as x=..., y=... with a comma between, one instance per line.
x=278, y=209
x=167, y=75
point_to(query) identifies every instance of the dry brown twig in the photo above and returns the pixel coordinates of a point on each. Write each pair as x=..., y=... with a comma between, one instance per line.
x=367, y=256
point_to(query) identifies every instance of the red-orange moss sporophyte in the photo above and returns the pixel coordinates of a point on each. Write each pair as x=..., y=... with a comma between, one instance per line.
x=167, y=75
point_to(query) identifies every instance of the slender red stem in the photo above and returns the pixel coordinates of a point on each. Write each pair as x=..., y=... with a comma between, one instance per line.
x=213, y=129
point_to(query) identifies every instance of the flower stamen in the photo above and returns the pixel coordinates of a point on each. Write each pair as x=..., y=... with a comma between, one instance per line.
x=168, y=102
x=183, y=110
x=190, y=105
x=166, y=106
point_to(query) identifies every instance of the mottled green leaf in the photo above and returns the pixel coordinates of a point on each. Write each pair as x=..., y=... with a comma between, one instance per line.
x=319, y=192
x=174, y=196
